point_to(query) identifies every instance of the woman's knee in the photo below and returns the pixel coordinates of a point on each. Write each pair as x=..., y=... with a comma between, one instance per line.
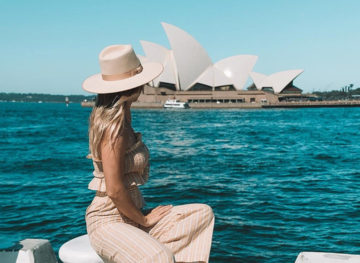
x=206, y=210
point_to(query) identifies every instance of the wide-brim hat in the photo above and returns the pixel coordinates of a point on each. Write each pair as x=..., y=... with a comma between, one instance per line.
x=120, y=70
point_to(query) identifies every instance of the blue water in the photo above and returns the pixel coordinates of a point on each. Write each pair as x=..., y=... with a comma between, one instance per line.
x=279, y=181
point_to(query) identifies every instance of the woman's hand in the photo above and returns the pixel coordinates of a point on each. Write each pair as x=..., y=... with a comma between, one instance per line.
x=156, y=214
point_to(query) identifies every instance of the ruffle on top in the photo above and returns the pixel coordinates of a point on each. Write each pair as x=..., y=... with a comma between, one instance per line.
x=98, y=182
x=136, y=167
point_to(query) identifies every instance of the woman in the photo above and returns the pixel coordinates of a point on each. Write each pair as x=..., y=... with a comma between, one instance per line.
x=117, y=228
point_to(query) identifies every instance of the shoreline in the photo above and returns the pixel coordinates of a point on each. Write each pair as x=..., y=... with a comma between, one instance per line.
x=159, y=105
x=318, y=104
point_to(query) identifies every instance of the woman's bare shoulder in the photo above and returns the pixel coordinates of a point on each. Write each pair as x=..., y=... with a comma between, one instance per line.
x=117, y=144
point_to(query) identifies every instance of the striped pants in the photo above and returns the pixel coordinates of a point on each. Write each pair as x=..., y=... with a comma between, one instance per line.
x=184, y=235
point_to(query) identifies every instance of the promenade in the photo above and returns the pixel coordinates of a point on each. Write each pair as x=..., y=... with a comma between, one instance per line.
x=255, y=105
x=314, y=104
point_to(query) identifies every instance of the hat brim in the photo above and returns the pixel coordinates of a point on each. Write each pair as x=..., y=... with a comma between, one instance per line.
x=96, y=84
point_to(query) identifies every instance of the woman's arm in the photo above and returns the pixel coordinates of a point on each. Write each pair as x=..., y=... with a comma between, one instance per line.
x=113, y=160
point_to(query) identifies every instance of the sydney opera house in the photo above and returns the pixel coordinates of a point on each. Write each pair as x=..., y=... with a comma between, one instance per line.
x=191, y=76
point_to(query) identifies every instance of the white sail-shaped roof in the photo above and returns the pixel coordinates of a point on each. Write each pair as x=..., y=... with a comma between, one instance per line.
x=221, y=79
x=278, y=81
x=229, y=71
x=237, y=69
x=190, y=57
x=187, y=63
x=142, y=59
x=206, y=78
x=281, y=79
x=211, y=76
x=160, y=54
x=258, y=79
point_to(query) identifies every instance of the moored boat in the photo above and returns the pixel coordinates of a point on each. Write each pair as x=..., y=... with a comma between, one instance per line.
x=176, y=104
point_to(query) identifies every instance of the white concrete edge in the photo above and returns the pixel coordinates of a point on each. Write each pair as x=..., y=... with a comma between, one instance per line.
x=325, y=257
x=32, y=251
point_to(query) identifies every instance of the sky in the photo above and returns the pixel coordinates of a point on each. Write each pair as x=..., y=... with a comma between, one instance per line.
x=52, y=46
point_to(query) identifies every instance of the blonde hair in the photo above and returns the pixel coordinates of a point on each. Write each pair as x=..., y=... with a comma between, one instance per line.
x=108, y=117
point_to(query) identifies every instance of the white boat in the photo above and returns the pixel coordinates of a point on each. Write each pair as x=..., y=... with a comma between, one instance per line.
x=176, y=104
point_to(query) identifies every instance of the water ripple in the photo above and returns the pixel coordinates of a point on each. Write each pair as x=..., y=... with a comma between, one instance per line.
x=279, y=181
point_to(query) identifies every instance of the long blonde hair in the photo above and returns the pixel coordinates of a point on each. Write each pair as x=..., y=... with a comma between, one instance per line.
x=108, y=116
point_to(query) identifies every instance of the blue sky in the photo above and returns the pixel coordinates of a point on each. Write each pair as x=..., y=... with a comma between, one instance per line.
x=52, y=46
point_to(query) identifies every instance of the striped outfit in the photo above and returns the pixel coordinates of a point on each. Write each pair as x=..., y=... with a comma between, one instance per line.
x=183, y=235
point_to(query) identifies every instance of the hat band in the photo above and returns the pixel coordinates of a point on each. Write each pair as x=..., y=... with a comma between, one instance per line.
x=125, y=75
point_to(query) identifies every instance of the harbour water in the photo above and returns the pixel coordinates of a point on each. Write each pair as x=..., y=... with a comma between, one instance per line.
x=279, y=181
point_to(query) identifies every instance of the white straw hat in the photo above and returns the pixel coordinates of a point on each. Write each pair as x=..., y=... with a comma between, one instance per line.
x=120, y=70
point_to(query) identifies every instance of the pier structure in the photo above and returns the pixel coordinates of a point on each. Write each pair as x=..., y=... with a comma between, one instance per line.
x=250, y=99
x=156, y=97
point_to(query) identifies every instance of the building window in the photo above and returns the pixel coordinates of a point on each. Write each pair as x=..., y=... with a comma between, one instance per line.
x=225, y=88
x=252, y=87
x=268, y=89
x=252, y=99
x=200, y=87
x=167, y=85
x=291, y=90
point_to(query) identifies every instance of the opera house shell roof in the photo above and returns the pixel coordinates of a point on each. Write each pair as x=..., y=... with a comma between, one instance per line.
x=277, y=81
x=187, y=66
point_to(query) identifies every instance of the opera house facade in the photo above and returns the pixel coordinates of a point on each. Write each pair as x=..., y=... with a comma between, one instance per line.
x=191, y=76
